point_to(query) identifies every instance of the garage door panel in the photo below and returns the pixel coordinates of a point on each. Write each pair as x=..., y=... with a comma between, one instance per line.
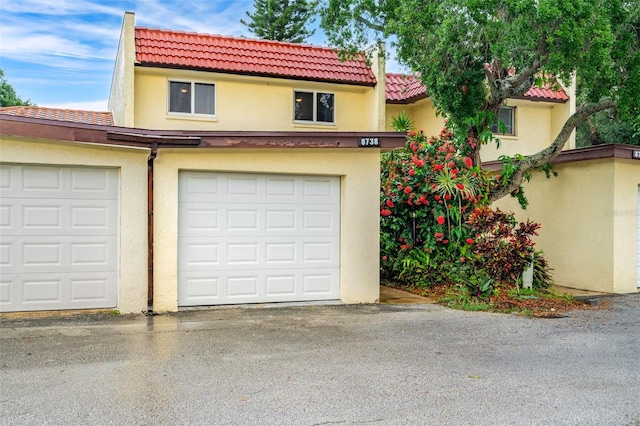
x=52, y=291
x=20, y=216
x=251, y=238
x=237, y=287
x=36, y=182
x=40, y=254
x=199, y=288
x=58, y=237
x=207, y=187
x=198, y=187
x=203, y=219
x=198, y=219
x=202, y=253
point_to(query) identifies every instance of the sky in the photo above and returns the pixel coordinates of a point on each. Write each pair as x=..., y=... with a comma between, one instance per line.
x=60, y=53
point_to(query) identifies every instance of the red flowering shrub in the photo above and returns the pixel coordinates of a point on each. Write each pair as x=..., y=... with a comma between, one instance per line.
x=435, y=215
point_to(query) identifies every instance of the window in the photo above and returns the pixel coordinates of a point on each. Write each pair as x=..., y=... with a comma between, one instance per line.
x=314, y=107
x=506, y=117
x=192, y=98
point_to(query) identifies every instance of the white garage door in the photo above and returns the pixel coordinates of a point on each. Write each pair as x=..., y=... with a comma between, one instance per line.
x=248, y=238
x=58, y=238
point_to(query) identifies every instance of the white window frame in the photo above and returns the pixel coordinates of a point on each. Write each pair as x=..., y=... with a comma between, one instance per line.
x=513, y=122
x=193, y=98
x=315, y=107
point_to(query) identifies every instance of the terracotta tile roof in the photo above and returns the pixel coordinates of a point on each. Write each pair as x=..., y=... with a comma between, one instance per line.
x=406, y=88
x=59, y=114
x=247, y=56
x=546, y=94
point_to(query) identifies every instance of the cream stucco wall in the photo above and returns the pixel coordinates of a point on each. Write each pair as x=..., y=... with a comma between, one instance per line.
x=533, y=130
x=589, y=218
x=421, y=112
x=625, y=215
x=359, y=241
x=132, y=164
x=121, y=94
x=249, y=103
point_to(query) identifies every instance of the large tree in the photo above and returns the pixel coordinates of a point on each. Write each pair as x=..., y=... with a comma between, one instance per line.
x=8, y=96
x=472, y=55
x=282, y=20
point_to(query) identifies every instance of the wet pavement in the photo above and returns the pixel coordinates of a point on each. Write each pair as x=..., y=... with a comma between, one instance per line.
x=342, y=364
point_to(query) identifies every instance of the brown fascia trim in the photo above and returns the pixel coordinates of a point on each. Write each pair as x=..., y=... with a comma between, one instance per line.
x=539, y=99
x=37, y=128
x=597, y=152
x=254, y=74
x=408, y=100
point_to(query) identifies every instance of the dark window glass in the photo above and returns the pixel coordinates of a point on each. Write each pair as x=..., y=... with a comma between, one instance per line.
x=324, y=107
x=506, y=116
x=179, y=97
x=205, y=98
x=303, y=106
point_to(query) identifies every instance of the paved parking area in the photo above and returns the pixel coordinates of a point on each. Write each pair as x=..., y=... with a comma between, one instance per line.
x=311, y=365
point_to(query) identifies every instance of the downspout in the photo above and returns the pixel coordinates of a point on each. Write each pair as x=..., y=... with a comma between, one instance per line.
x=150, y=161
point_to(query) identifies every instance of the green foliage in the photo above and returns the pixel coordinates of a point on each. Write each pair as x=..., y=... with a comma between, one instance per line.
x=474, y=55
x=8, y=96
x=402, y=122
x=458, y=297
x=474, y=283
x=282, y=20
x=450, y=42
x=541, y=271
x=605, y=128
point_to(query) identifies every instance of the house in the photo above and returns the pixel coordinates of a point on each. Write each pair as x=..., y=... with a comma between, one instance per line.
x=167, y=79
x=225, y=172
x=176, y=80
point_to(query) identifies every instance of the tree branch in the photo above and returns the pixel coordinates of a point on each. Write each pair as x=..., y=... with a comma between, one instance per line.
x=368, y=23
x=551, y=152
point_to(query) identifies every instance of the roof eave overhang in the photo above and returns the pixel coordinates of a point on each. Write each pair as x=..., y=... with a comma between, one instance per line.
x=407, y=101
x=51, y=130
x=540, y=99
x=257, y=74
x=597, y=152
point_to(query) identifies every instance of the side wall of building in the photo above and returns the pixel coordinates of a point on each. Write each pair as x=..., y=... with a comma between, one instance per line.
x=122, y=88
x=589, y=222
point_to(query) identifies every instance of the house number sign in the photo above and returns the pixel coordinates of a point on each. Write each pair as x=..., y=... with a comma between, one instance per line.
x=367, y=142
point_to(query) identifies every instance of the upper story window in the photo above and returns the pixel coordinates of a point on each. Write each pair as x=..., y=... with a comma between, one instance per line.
x=189, y=97
x=314, y=107
x=507, y=117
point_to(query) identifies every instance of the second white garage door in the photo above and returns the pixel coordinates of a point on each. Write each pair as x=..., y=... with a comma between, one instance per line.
x=250, y=238
x=58, y=237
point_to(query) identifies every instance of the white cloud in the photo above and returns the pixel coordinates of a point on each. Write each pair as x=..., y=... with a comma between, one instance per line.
x=213, y=17
x=59, y=7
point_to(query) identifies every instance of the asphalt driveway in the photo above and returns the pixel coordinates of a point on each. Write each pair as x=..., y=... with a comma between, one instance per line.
x=310, y=365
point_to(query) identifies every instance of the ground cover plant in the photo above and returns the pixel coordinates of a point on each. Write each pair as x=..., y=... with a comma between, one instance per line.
x=441, y=237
